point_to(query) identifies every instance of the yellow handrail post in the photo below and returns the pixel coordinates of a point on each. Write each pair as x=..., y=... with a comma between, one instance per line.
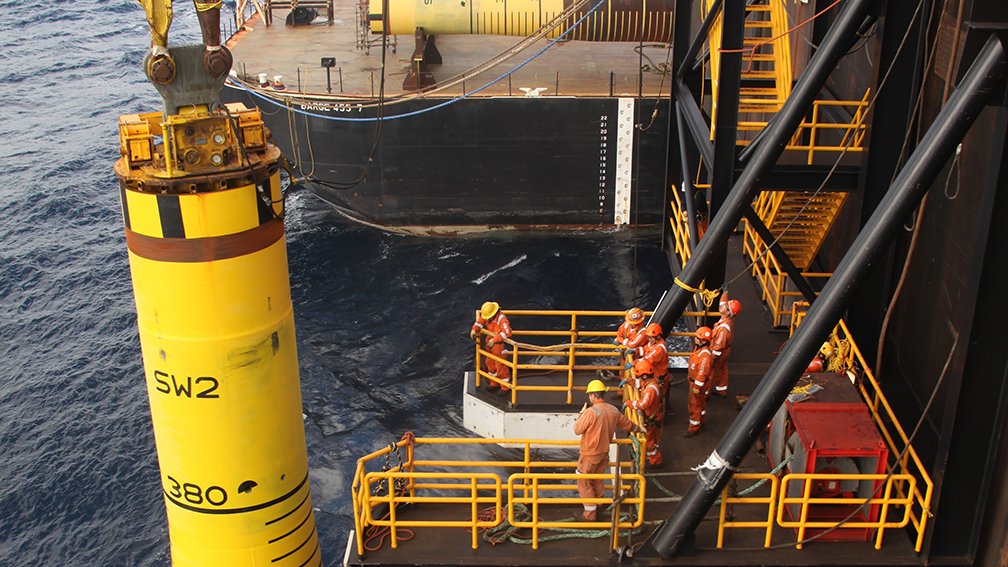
x=392, y=512
x=475, y=513
x=514, y=377
x=535, y=513
x=478, y=365
x=570, y=357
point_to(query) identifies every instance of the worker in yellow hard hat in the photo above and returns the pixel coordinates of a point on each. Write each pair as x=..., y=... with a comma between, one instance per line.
x=821, y=360
x=596, y=424
x=492, y=324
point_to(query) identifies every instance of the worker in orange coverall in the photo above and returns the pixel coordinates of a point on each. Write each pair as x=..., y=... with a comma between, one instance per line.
x=596, y=424
x=818, y=363
x=629, y=335
x=700, y=366
x=656, y=352
x=721, y=345
x=652, y=404
x=490, y=318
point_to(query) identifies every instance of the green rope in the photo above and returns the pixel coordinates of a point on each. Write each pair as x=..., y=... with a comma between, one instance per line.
x=745, y=492
x=506, y=532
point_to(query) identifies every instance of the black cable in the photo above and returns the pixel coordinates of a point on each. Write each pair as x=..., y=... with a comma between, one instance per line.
x=343, y=186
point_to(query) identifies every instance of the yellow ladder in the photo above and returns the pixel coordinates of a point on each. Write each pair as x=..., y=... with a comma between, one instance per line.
x=802, y=240
x=767, y=56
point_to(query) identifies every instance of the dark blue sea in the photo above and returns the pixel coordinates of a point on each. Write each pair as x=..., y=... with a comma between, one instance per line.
x=382, y=319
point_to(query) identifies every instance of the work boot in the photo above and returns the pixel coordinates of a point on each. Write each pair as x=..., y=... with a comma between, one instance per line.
x=690, y=433
x=655, y=466
x=587, y=516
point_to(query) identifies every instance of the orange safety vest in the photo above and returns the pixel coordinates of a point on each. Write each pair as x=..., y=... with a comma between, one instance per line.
x=657, y=355
x=700, y=364
x=723, y=332
x=631, y=336
x=499, y=326
x=597, y=426
x=651, y=400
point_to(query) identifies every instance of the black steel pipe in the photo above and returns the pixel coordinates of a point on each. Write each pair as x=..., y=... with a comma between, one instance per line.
x=747, y=185
x=687, y=184
x=782, y=258
x=699, y=40
x=985, y=74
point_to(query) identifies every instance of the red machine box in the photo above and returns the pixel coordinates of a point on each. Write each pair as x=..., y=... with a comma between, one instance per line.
x=830, y=431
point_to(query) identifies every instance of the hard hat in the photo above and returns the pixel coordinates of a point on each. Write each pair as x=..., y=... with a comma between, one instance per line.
x=703, y=333
x=826, y=350
x=642, y=367
x=489, y=309
x=596, y=386
x=733, y=305
x=634, y=316
x=653, y=330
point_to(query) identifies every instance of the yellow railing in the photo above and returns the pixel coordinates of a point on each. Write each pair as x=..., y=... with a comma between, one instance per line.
x=807, y=499
x=576, y=355
x=772, y=278
x=814, y=128
x=402, y=482
x=389, y=478
x=532, y=486
x=910, y=481
x=890, y=428
x=770, y=500
x=798, y=311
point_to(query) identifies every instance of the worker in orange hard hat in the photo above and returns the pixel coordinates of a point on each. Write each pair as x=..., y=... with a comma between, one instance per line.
x=700, y=366
x=596, y=424
x=821, y=359
x=494, y=325
x=652, y=405
x=656, y=352
x=722, y=332
x=629, y=335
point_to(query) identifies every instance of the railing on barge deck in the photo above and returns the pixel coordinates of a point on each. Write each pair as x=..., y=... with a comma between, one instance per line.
x=402, y=484
x=906, y=477
x=584, y=356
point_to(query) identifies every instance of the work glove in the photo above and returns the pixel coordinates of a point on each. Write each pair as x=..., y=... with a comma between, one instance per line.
x=490, y=342
x=628, y=366
x=622, y=383
x=625, y=405
x=473, y=335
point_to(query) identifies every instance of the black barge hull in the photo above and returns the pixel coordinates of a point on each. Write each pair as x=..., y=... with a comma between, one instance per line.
x=479, y=164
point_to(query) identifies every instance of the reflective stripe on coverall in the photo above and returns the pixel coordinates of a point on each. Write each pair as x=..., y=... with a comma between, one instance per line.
x=501, y=329
x=700, y=364
x=597, y=426
x=721, y=341
x=650, y=403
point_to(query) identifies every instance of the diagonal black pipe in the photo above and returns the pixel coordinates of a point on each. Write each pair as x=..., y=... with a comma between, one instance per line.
x=782, y=258
x=687, y=182
x=985, y=74
x=699, y=40
x=748, y=183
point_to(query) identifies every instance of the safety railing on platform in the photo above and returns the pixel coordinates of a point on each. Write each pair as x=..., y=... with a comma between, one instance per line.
x=810, y=133
x=770, y=501
x=577, y=354
x=530, y=490
x=907, y=483
x=891, y=430
x=779, y=292
x=449, y=493
x=887, y=501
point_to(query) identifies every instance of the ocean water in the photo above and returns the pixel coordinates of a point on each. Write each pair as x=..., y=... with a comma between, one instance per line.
x=382, y=319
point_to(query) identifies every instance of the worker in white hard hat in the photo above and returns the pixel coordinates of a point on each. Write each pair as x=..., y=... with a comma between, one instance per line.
x=493, y=324
x=596, y=424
